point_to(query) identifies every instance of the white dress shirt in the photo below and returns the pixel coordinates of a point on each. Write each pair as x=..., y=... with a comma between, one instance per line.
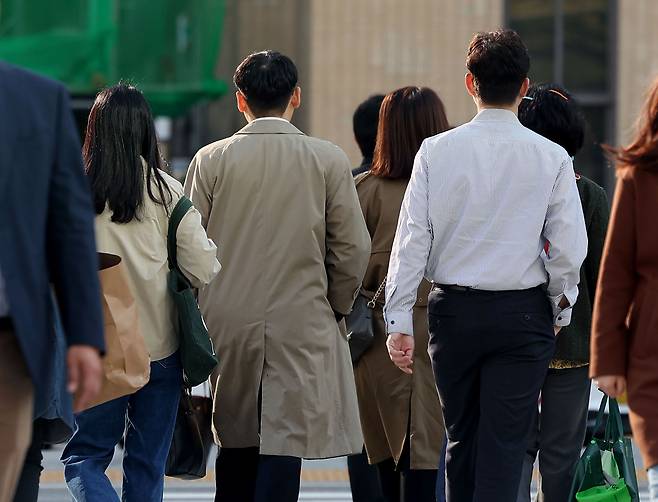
x=481, y=204
x=4, y=303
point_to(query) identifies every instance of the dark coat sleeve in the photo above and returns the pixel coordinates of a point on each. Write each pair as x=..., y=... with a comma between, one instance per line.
x=596, y=231
x=71, y=247
x=617, y=284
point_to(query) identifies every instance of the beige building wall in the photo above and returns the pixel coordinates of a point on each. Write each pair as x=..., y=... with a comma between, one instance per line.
x=348, y=49
x=254, y=25
x=637, y=60
x=361, y=47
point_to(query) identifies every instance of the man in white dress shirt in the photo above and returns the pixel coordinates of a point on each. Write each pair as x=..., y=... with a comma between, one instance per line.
x=483, y=201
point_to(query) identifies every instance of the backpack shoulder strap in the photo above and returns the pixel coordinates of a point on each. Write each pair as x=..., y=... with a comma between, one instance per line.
x=180, y=210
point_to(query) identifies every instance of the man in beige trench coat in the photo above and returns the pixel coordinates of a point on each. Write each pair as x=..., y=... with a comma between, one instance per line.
x=284, y=211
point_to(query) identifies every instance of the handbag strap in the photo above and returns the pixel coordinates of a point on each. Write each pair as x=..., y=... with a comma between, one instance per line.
x=362, y=177
x=177, y=215
x=600, y=414
x=373, y=303
x=614, y=429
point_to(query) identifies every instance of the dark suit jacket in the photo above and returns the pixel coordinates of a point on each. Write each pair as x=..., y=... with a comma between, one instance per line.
x=46, y=221
x=572, y=344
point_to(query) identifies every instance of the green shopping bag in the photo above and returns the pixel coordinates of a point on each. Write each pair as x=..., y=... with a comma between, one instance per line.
x=606, y=469
x=617, y=493
x=196, y=349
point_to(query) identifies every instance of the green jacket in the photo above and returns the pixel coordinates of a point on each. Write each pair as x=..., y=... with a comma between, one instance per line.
x=572, y=348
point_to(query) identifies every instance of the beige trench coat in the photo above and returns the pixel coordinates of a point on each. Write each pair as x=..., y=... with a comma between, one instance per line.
x=283, y=210
x=392, y=402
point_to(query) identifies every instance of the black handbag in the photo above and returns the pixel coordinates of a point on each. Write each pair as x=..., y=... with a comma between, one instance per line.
x=360, y=330
x=192, y=441
x=197, y=352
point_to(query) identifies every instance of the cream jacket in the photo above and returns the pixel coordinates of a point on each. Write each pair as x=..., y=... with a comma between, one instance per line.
x=142, y=245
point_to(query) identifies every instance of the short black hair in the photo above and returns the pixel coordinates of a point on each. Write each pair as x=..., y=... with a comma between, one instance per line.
x=550, y=110
x=365, y=121
x=499, y=62
x=267, y=79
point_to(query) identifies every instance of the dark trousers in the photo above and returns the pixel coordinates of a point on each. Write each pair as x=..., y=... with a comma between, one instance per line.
x=404, y=484
x=243, y=475
x=490, y=352
x=28, y=484
x=558, y=434
x=441, y=475
x=364, y=479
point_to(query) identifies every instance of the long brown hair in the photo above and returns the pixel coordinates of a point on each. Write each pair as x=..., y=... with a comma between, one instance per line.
x=642, y=152
x=407, y=116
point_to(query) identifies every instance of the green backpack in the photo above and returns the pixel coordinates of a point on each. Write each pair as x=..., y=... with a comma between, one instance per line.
x=196, y=348
x=606, y=469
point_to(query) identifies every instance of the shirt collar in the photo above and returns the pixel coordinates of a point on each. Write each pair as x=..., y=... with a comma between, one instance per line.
x=269, y=118
x=269, y=125
x=496, y=115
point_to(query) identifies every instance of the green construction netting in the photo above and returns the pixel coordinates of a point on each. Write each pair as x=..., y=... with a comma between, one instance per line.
x=168, y=47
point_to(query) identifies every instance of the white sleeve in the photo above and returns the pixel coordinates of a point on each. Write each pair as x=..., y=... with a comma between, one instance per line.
x=565, y=231
x=410, y=252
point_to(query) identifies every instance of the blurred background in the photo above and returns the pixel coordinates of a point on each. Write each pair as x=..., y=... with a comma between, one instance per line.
x=182, y=53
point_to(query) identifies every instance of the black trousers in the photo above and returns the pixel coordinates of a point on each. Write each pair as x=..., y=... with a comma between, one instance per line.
x=243, y=475
x=490, y=353
x=404, y=484
x=28, y=484
x=557, y=434
x=364, y=479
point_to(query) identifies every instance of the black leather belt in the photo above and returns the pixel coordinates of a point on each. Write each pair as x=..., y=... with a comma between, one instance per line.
x=454, y=288
x=6, y=324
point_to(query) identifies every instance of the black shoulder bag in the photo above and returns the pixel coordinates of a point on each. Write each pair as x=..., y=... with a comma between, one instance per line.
x=360, y=330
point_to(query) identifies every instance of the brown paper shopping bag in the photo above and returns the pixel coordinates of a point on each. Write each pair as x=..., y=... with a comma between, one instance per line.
x=126, y=365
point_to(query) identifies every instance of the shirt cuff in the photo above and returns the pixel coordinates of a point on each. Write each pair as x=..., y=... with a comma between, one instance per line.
x=562, y=317
x=399, y=322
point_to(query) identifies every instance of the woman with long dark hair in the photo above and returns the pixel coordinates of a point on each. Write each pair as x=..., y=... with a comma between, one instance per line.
x=625, y=326
x=133, y=199
x=400, y=413
x=557, y=437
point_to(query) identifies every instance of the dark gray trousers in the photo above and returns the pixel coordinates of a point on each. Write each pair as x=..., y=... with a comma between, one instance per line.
x=558, y=435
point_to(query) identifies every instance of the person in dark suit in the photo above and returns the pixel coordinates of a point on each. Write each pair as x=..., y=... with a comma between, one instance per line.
x=365, y=122
x=46, y=237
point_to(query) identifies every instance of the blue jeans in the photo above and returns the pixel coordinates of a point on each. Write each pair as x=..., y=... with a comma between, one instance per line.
x=147, y=417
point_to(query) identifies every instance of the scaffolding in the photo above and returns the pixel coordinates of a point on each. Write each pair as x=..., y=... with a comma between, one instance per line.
x=169, y=48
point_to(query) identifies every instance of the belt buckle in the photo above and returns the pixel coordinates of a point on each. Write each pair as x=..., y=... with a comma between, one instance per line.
x=438, y=287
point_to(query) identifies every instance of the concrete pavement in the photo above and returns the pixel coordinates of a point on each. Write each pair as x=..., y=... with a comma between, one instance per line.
x=322, y=481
